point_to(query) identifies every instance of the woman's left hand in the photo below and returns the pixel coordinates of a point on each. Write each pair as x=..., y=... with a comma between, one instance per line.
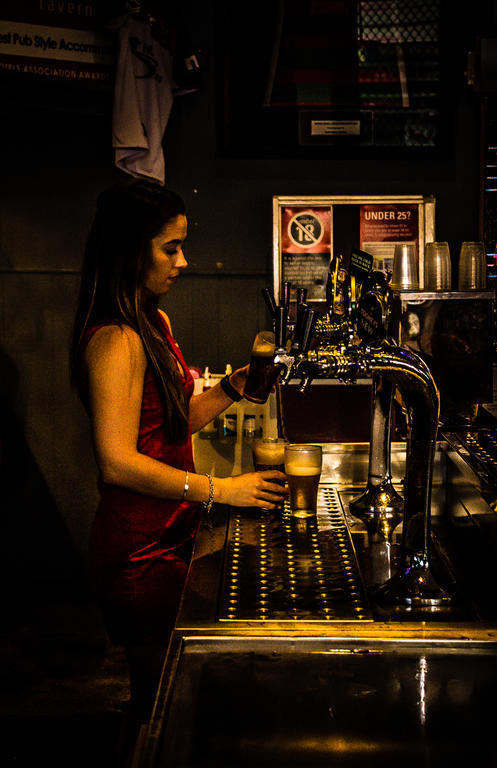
x=238, y=379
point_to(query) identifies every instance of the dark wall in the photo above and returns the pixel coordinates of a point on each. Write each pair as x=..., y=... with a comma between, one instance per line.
x=56, y=157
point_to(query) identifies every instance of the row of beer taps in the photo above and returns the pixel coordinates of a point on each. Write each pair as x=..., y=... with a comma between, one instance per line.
x=352, y=339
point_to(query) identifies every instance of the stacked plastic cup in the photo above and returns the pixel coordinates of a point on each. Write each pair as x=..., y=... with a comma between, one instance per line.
x=472, y=266
x=437, y=267
x=405, y=270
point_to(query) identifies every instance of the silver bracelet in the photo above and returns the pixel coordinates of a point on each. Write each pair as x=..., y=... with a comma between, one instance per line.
x=186, y=488
x=208, y=504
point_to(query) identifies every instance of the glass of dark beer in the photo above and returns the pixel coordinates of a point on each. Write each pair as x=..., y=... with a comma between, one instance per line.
x=303, y=470
x=269, y=453
x=262, y=371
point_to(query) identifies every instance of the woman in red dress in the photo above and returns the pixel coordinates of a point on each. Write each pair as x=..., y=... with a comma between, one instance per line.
x=138, y=391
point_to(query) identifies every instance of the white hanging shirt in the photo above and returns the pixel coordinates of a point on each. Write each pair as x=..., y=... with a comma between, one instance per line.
x=142, y=101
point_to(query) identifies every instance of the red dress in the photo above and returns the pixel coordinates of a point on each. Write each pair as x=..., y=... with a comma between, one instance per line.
x=140, y=545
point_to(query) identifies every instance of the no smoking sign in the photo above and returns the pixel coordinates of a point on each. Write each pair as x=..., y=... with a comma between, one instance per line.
x=305, y=230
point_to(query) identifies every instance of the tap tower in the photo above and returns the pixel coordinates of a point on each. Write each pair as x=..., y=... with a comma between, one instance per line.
x=350, y=340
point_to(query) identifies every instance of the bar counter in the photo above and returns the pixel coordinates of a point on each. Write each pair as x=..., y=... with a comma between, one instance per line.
x=281, y=657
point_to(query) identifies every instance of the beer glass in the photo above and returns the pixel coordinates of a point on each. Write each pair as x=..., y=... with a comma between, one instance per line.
x=303, y=470
x=262, y=371
x=269, y=453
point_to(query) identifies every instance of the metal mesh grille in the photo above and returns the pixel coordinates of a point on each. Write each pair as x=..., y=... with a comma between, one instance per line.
x=399, y=66
x=415, y=128
x=399, y=21
x=287, y=569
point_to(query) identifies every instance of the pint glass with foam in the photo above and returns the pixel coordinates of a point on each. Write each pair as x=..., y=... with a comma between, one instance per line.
x=303, y=470
x=269, y=453
x=262, y=372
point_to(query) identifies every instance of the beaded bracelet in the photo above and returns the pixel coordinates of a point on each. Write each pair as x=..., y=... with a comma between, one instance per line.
x=229, y=389
x=187, y=486
x=208, y=504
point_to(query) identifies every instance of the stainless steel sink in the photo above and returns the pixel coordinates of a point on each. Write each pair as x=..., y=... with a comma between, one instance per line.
x=319, y=702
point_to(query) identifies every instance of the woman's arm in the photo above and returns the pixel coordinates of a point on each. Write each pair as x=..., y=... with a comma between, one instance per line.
x=116, y=365
x=209, y=404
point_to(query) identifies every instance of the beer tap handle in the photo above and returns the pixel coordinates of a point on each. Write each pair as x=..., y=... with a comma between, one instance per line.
x=329, y=291
x=268, y=296
x=301, y=311
x=305, y=384
x=286, y=295
x=306, y=371
x=299, y=327
x=284, y=360
x=331, y=283
x=280, y=327
x=301, y=296
x=310, y=318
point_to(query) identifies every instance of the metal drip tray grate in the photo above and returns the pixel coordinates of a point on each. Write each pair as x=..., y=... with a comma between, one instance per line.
x=480, y=446
x=283, y=568
x=483, y=444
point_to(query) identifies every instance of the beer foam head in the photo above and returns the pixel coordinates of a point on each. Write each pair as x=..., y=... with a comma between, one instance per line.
x=303, y=460
x=263, y=344
x=296, y=469
x=269, y=452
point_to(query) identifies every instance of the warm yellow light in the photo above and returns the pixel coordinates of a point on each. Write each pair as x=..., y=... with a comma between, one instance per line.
x=347, y=651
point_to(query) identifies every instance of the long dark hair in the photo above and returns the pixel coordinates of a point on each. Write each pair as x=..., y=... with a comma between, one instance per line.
x=128, y=216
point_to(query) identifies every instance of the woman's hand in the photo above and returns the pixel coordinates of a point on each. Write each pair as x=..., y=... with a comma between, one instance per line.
x=254, y=489
x=238, y=379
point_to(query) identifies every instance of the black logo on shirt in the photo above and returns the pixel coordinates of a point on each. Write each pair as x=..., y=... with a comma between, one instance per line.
x=144, y=53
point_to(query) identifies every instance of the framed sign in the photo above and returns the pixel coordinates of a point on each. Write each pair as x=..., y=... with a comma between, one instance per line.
x=306, y=247
x=43, y=40
x=309, y=231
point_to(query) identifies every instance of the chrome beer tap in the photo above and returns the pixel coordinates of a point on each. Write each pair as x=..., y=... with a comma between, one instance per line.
x=286, y=356
x=390, y=366
x=379, y=506
x=282, y=357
